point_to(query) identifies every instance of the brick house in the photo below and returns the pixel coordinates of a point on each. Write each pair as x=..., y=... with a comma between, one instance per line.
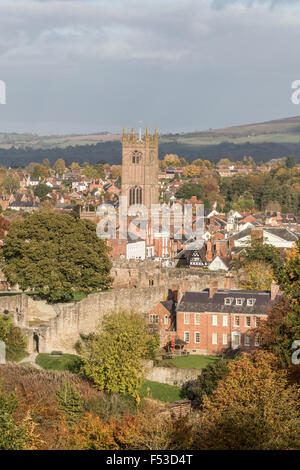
x=162, y=320
x=212, y=321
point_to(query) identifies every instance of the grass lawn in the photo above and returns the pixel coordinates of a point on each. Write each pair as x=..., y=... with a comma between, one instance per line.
x=157, y=391
x=69, y=362
x=189, y=362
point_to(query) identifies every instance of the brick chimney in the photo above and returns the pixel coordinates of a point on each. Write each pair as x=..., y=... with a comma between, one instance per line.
x=213, y=288
x=209, y=256
x=228, y=282
x=274, y=290
x=218, y=248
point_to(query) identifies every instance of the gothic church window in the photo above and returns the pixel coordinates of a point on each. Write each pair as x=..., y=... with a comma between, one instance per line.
x=136, y=157
x=135, y=195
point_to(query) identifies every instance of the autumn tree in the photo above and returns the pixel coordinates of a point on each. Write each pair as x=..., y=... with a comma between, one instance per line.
x=113, y=357
x=56, y=256
x=259, y=275
x=59, y=166
x=10, y=184
x=74, y=166
x=253, y=408
x=280, y=329
x=116, y=171
x=46, y=163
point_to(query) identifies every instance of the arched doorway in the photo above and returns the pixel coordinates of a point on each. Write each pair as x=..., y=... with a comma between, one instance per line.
x=36, y=343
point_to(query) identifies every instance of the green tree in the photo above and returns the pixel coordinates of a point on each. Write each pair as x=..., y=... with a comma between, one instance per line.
x=12, y=436
x=70, y=402
x=263, y=252
x=190, y=189
x=56, y=255
x=15, y=342
x=41, y=190
x=113, y=357
x=290, y=161
x=205, y=384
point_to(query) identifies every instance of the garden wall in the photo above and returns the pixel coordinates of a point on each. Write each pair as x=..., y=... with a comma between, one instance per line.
x=170, y=375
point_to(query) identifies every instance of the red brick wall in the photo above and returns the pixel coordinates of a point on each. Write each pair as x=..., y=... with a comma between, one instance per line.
x=165, y=335
x=206, y=330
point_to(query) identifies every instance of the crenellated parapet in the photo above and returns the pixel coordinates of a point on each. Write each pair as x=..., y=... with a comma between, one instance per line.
x=146, y=139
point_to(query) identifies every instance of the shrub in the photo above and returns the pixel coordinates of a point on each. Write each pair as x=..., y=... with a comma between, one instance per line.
x=13, y=338
x=205, y=384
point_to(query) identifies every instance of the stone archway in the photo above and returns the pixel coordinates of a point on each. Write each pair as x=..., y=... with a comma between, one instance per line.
x=36, y=342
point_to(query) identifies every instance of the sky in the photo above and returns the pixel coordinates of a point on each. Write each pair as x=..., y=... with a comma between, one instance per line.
x=84, y=66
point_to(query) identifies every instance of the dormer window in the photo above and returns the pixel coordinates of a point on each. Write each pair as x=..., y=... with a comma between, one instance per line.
x=228, y=300
x=250, y=302
x=239, y=301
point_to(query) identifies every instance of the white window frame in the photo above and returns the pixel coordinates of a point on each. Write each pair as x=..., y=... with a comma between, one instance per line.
x=247, y=326
x=225, y=320
x=197, y=319
x=186, y=318
x=239, y=301
x=250, y=302
x=184, y=335
x=214, y=338
x=236, y=317
x=197, y=333
x=228, y=300
x=224, y=339
x=214, y=320
x=256, y=341
x=247, y=340
x=151, y=318
x=166, y=320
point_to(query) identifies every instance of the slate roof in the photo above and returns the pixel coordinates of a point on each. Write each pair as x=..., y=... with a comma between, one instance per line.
x=200, y=301
x=283, y=233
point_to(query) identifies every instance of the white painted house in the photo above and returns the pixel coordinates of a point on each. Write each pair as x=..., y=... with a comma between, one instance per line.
x=278, y=237
x=136, y=249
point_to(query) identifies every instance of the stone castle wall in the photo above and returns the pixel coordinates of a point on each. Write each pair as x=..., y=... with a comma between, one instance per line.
x=152, y=284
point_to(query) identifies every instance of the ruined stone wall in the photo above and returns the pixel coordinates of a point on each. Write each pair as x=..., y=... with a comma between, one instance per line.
x=170, y=375
x=15, y=306
x=63, y=330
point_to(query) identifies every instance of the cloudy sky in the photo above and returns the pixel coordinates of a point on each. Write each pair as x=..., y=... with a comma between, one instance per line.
x=92, y=65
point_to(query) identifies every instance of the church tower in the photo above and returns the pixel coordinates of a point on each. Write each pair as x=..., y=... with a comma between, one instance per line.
x=140, y=168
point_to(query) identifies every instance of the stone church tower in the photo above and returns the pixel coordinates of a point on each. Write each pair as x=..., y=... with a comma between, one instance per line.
x=140, y=168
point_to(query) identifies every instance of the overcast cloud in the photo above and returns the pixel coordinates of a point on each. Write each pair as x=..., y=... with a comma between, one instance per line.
x=92, y=65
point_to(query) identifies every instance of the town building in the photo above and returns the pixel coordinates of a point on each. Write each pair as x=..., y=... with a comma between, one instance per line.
x=214, y=320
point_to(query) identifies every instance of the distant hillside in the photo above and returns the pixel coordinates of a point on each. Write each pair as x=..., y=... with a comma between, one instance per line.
x=264, y=141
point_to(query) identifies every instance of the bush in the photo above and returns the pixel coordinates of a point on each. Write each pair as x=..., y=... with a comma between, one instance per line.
x=13, y=338
x=205, y=384
x=110, y=405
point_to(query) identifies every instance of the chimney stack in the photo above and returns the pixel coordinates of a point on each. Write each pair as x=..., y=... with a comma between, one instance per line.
x=209, y=255
x=213, y=288
x=274, y=290
x=228, y=282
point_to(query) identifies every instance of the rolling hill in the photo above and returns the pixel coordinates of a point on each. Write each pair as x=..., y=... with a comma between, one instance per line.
x=263, y=141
